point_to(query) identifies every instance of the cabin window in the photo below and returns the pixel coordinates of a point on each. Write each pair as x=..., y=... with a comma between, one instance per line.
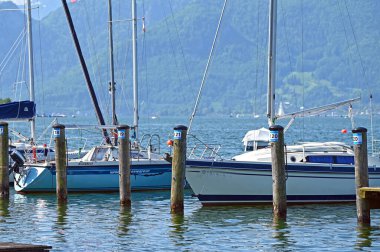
x=330, y=159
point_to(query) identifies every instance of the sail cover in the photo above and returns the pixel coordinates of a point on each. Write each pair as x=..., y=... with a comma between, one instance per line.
x=20, y=110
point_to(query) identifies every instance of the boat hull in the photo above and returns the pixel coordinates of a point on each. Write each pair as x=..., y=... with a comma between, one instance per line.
x=95, y=177
x=233, y=182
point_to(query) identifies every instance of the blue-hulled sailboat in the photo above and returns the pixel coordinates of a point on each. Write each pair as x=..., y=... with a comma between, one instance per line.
x=98, y=170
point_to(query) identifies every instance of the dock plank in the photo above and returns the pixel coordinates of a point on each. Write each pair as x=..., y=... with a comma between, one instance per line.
x=372, y=194
x=10, y=246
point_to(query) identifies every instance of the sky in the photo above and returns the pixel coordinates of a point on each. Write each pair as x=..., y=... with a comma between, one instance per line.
x=45, y=6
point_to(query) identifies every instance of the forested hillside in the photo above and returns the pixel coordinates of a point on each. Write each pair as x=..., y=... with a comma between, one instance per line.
x=327, y=51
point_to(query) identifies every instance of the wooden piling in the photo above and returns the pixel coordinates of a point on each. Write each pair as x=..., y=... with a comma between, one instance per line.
x=17, y=247
x=124, y=165
x=178, y=169
x=4, y=161
x=361, y=174
x=278, y=172
x=60, y=162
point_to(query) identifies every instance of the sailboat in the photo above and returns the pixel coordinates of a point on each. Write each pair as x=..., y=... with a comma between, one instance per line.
x=25, y=110
x=317, y=172
x=98, y=170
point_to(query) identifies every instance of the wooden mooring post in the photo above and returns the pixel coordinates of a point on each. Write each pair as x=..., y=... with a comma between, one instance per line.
x=60, y=162
x=367, y=198
x=178, y=169
x=359, y=137
x=124, y=165
x=276, y=138
x=4, y=161
x=17, y=247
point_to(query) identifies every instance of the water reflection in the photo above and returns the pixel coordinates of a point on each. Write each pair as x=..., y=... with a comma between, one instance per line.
x=61, y=222
x=364, y=239
x=4, y=208
x=281, y=233
x=125, y=219
x=178, y=229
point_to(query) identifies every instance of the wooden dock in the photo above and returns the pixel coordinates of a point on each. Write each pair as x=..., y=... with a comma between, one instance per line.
x=10, y=246
x=372, y=194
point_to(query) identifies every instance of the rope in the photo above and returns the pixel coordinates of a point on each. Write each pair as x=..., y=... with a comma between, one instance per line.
x=207, y=67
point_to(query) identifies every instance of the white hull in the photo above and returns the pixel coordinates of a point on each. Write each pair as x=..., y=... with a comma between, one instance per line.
x=233, y=182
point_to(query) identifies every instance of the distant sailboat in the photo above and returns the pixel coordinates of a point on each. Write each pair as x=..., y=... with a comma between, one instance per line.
x=280, y=111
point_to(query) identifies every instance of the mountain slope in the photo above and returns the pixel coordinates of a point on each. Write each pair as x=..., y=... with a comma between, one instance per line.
x=326, y=51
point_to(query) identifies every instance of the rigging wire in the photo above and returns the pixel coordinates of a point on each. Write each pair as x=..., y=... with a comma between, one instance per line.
x=207, y=66
x=145, y=60
x=41, y=64
x=302, y=69
x=121, y=61
x=180, y=43
x=357, y=48
x=16, y=82
x=172, y=48
x=10, y=53
x=349, y=58
x=96, y=69
x=20, y=76
x=284, y=17
x=257, y=58
x=124, y=73
x=364, y=75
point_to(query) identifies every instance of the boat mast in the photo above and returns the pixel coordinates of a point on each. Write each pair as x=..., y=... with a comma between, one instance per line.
x=112, y=72
x=271, y=61
x=31, y=67
x=85, y=71
x=134, y=66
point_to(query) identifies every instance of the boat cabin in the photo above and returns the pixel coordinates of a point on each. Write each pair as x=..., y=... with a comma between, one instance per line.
x=256, y=139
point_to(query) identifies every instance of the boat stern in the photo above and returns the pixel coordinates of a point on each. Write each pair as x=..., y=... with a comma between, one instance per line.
x=33, y=178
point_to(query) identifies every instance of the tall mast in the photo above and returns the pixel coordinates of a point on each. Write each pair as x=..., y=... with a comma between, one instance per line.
x=112, y=72
x=272, y=61
x=31, y=67
x=134, y=63
x=85, y=71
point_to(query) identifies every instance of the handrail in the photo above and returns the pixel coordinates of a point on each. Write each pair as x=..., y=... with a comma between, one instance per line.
x=201, y=150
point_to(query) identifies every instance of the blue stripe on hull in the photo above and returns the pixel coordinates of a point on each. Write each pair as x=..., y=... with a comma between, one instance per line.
x=267, y=199
x=235, y=165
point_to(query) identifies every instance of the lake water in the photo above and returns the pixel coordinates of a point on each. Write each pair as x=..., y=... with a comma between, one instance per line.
x=90, y=222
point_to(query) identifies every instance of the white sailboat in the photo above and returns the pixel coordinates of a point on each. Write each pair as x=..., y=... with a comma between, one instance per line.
x=98, y=170
x=320, y=172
